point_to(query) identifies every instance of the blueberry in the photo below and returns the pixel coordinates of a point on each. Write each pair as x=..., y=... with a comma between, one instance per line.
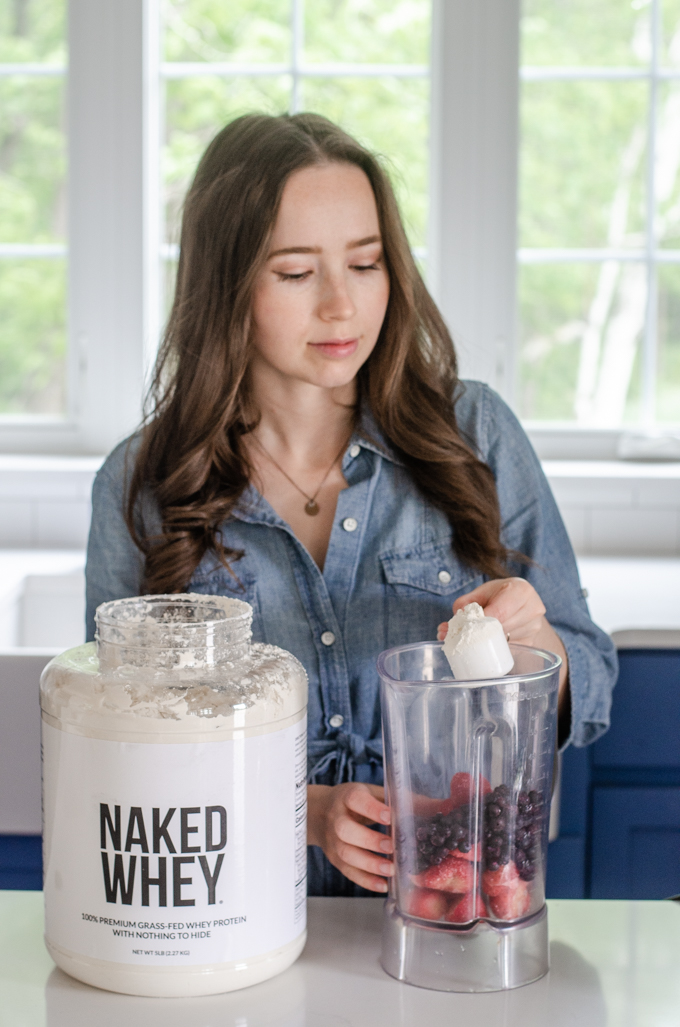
x=421, y=834
x=464, y=845
x=494, y=810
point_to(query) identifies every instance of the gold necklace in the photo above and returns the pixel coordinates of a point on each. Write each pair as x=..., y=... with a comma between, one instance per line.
x=311, y=507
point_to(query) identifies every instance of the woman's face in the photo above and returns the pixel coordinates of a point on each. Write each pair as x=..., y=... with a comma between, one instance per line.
x=321, y=297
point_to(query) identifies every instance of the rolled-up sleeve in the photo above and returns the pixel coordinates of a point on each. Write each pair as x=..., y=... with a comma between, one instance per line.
x=532, y=525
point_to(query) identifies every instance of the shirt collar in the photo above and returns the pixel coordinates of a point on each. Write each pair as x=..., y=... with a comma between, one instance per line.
x=368, y=436
x=254, y=508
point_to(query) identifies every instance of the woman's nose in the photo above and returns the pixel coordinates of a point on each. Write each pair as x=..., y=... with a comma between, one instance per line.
x=336, y=303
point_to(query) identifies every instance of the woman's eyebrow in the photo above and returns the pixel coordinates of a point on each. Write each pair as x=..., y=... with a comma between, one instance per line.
x=317, y=249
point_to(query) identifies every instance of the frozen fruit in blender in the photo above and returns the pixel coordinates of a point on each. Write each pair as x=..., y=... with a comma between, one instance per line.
x=462, y=788
x=428, y=904
x=473, y=854
x=451, y=875
x=496, y=881
x=469, y=907
x=511, y=903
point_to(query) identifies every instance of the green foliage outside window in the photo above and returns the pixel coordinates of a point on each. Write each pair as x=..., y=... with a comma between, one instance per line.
x=583, y=172
x=32, y=209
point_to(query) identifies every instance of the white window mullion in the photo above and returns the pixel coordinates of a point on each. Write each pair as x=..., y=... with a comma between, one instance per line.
x=473, y=198
x=110, y=269
x=649, y=342
x=297, y=49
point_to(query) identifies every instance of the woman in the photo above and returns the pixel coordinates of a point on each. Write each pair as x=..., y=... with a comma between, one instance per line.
x=312, y=451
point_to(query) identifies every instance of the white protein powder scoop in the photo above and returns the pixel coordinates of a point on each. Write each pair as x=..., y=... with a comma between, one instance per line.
x=476, y=646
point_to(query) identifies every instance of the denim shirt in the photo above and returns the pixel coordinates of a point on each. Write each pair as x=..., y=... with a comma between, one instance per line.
x=390, y=577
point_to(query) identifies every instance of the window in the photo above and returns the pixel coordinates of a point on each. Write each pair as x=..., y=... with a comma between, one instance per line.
x=33, y=351
x=433, y=86
x=599, y=214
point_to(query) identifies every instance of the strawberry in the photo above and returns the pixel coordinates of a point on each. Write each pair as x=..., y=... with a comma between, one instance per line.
x=423, y=806
x=462, y=788
x=496, y=881
x=428, y=904
x=511, y=903
x=451, y=875
x=469, y=907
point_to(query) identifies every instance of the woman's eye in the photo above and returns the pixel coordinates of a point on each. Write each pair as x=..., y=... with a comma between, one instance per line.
x=299, y=277
x=365, y=267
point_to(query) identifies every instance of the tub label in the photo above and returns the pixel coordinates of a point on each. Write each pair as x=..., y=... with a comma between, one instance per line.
x=175, y=854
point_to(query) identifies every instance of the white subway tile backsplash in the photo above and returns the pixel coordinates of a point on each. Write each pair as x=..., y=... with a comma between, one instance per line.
x=576, y=522
x=635, y=532
x=663, y=493
x=63, y=523
x=593, y=492
x=16, y=522
x=609, y=507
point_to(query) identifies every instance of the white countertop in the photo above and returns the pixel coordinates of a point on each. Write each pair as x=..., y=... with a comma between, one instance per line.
x=613, y=964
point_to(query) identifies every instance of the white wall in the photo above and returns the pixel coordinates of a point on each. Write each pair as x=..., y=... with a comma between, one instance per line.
x=611, y=508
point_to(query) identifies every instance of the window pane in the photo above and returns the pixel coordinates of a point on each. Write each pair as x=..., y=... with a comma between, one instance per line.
x=32, y=209
x=390, y=116
x=585, y=32
x=581, y=332
x=32, y=30
x=32, y=160
x=196, y=109
x=668, y=390
x=32, y=336
x=670, y=32
x=368, y=31
x=238, y=30
x=582, y=164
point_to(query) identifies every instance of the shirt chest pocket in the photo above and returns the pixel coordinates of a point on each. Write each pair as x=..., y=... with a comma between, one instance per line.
x=215, y=580
x=421, y=584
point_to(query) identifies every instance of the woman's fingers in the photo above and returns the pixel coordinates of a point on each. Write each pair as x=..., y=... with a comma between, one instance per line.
x=512, y=601
x=350, y=831
x=368, y=881
x=361, y=867
x=442, y=631
x=366, y=801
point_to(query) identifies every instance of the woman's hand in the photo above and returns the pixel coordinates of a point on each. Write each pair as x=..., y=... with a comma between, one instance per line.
x=512, y=601
x=337, y=819
x=518, y=606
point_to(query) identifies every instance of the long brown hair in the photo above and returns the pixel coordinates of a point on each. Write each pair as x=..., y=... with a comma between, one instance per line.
x=190, y=456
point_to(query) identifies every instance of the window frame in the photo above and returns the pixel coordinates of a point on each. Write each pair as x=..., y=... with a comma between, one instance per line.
x=113, y=229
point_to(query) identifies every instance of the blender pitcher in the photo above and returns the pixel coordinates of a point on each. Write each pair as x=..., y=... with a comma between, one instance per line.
x=468, y=773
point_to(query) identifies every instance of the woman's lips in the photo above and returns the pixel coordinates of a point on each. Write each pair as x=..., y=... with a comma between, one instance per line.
x=336, y=347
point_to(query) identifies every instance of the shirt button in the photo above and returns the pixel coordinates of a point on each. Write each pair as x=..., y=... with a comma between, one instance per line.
x=355, y=450
x=337, y=720
x=328, y=638
x=349, y=524
x=444, y=577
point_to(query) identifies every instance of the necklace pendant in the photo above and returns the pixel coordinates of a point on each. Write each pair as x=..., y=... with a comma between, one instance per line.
x=312, y=507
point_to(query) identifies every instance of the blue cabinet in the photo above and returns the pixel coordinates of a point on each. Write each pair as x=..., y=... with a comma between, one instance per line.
x=620, y=803
x=635, y=843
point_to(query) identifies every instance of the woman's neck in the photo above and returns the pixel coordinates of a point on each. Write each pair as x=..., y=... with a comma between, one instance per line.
x=303, y=424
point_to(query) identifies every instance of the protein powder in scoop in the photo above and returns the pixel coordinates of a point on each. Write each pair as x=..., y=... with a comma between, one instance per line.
x=475, y=645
